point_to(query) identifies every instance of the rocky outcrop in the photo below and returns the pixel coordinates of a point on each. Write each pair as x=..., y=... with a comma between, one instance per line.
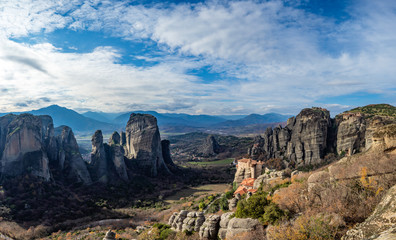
x=98, y=166
x=24, y=149
x=268, y=176
x=312, y=134
x=176, y=220
x=302, y=142
x=193, y=221
x=166, y=152
x=210, y=147
x=210, y=227
x=65, y=157
x=30, y=145
x=224, y=220
x=143, y=143
x=380, y=223
x=238, y=226
x=116, y=153
x=110, y=235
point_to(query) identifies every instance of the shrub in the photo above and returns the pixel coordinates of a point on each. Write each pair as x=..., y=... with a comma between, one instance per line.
x=253, y=207
x=273, y=214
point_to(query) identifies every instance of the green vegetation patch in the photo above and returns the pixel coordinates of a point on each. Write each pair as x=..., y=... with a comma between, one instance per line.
x=226, y=161
x=376, y=109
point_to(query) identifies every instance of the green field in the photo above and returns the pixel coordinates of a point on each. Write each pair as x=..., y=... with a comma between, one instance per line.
x=226, y=161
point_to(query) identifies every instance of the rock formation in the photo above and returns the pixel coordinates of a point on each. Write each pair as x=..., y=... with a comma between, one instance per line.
x=267, y=177
x=66, y=158
x=98, y=166
x=210, y=227
x=117, y=156
x=237, y=226
x=210, y=147
x=143, y=143
x=312, y=134
x=166, y=152
x=30, y=145
x=24, y=149
x=303, y=141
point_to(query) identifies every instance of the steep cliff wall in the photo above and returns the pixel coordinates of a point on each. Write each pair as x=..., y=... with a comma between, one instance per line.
x=312, y=134
x=143, y=143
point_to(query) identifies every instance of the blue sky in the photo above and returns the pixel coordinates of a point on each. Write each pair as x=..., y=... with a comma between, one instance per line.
x=197, y=57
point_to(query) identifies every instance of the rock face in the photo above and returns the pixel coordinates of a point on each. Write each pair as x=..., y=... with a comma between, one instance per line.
x=30, y=145
x=210, y=227
x=24, y=149
x=237, y=226
x=210, y=147
x=302, y=142
x=224, y=220
x=98, y=165
x=379, y=225
x=166, y=152
x=312, y=134
x=193, y=221
x=143, y=143
x=116, y=152
x=176, y=220
x=66, y=157
x=267, y=177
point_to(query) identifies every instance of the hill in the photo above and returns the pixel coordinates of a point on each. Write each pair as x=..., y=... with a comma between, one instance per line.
x=376, y=110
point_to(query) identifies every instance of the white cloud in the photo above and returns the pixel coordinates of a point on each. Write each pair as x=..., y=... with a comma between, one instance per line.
x=271, y=56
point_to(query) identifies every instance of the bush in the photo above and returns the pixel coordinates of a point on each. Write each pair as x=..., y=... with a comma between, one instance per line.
x=303, y=228
x=273, y=214
x=253, y=207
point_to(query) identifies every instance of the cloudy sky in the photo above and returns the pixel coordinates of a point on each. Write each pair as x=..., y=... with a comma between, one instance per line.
x=197, y=57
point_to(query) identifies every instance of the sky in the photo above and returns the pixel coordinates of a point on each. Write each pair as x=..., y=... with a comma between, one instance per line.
x=197, y=57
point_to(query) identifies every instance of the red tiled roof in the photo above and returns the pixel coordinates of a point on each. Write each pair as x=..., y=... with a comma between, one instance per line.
x=241, y=190
x=248, y=182
x=252, y=190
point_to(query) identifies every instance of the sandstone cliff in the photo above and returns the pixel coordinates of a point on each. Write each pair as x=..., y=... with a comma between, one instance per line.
x=312, y=134
x=98, y=165
x=30, y=145
x=24, y=147
x=143, y=144
x=65, y=157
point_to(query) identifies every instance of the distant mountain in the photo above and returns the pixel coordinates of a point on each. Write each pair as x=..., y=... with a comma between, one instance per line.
x=71, y=118
x=175, y=119
x=254, y=119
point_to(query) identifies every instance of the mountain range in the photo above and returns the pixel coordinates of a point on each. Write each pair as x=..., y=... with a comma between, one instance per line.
x=89, y=122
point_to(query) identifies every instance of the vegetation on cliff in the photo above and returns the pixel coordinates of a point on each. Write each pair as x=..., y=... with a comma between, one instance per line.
x=375, y=109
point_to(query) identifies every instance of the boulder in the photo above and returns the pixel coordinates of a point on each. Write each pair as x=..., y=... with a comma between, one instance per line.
x=224, y=220
x=110, y=235
x=193, y=221
x=210, y=227
x=143, y=143
x=237, y=226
